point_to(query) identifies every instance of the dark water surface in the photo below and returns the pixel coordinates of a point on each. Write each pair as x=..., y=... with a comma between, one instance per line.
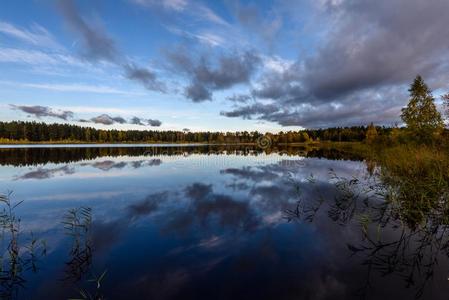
x=208, y=223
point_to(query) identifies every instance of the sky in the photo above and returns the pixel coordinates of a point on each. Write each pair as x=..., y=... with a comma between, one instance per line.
x=228, y=65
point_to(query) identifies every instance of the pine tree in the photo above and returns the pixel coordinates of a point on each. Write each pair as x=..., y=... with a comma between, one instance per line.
x=421, y=115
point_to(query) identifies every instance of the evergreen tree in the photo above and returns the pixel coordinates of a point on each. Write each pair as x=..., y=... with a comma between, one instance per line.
x=421, y=115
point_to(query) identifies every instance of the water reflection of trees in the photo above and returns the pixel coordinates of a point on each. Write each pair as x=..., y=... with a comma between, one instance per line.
x=403, y=228
x=37, y=156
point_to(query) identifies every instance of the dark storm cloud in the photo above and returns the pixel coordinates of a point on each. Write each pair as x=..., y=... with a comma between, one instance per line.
x=228, y=70
x=377, y=44
x=43, y=111
x=98, y=46
x=360, y=70
x=154, y=123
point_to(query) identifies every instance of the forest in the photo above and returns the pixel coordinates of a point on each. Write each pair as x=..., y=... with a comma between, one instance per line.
x=18, y=131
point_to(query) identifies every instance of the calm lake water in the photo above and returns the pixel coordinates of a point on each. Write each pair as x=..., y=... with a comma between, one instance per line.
x=206, y=223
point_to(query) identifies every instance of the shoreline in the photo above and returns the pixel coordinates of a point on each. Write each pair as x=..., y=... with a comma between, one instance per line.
x=156, y=144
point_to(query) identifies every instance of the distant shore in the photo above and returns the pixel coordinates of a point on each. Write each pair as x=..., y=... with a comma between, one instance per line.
x=115, y=144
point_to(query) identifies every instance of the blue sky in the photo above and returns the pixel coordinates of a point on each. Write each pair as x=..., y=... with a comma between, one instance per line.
x=217, y=65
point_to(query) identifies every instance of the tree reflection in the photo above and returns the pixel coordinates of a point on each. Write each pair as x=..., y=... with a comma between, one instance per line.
x=403, y=225
x=37, y=156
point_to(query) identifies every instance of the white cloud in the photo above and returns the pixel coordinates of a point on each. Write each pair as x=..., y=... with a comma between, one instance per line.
x=77, y=87
x=208, y=14
x=208, y=38
x=211, y=39
x=32, y=57
x=38, y=36
x=177, y=5
x=276, y=63
x=194, y=9
x=51, y=63
x=36, y=57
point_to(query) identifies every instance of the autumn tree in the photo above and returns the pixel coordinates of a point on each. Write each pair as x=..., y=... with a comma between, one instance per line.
x=371, y=134
x=421, y=115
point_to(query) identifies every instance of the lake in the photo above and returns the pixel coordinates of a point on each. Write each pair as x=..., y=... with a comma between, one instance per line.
x=208, y=222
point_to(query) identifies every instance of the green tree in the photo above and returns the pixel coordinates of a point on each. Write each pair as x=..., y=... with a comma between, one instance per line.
x=421, y=115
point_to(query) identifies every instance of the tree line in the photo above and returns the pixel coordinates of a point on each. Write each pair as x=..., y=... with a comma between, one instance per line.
x=423, y=122
x=41, y=132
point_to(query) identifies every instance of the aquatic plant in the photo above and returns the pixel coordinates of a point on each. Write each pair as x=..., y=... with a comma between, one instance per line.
x=77, y=224
x=402, y=210
x=17, y=255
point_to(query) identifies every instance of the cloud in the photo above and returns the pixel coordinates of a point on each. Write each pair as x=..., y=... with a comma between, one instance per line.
x=191, y=8
x=208, y=38
x=81, y=88
x=266, y=26
x=361, y=66
x=43, y=173
x=97, y=46
x=229, y=70
x=145, y=77
x=136, y=121
x=176, y=5
x=210, y=15
x=384, y=108
x=31, y=57
x=207, y=208
x=369, y=46
x=108, y=165
x=197, y=92
x=154, y=123
x=107, y=120
x=38, y=35
x=247, y=112
x=149, y=205
x=43, y=111
x=239, y=98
